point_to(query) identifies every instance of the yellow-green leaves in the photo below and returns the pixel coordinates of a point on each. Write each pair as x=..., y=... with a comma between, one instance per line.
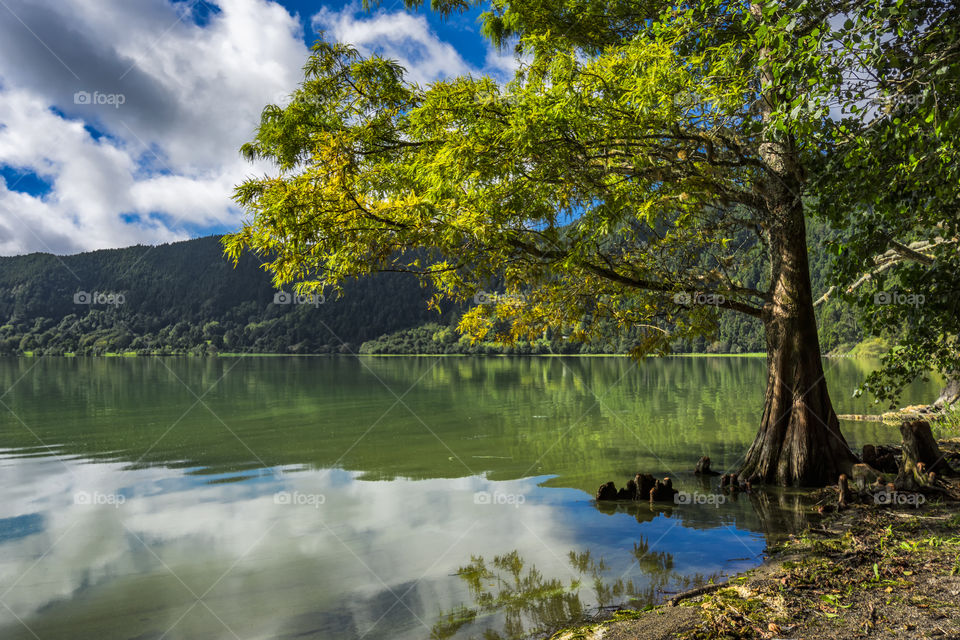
x=592, y=188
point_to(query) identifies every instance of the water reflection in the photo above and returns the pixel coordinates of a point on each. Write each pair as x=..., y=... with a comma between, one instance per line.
x=512, y=599
x=583, y=420
x=191, y=556
x=301, y=500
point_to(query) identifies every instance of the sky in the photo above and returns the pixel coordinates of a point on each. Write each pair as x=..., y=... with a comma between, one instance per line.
x=121, y=120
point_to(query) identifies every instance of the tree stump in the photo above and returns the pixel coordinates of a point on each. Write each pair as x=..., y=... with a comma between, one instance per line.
x=865, y=475
x=663, y=491
x=703, y=467
x=607, y=492
x=644, y=482
x=638, y=488
x=843, y=488
x=921, y=455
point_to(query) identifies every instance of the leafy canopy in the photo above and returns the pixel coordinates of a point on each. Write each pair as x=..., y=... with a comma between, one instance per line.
x=892, y=185
x=620, y=167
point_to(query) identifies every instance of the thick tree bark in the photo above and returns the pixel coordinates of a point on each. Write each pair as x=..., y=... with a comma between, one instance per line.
x=921, y=456
x=799, y=442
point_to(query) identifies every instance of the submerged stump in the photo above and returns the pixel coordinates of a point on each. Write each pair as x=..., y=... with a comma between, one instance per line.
x=607, y=491
x=642, y=486
x=703, y=467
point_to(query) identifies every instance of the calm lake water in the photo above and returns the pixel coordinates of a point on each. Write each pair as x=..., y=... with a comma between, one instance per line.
x=376, y=498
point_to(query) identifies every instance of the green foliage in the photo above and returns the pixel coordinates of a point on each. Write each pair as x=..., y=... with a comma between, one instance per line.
x=620, y=168
x=623, y=165
x=185, y=297
x=891, y=185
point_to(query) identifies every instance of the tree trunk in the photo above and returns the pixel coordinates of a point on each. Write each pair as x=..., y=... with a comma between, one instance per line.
x=799, y=442
x=950, y=393
x=921, y=456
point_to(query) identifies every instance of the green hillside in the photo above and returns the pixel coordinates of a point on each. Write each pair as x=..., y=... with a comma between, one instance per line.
x=186, y=297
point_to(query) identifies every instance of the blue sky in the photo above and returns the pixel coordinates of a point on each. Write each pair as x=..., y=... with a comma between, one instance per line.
x=120, y=120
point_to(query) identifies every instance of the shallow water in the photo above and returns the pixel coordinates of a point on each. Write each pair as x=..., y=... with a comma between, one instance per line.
x=369, y=498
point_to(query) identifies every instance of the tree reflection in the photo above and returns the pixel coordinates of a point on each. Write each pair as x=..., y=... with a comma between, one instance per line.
x=513, y=599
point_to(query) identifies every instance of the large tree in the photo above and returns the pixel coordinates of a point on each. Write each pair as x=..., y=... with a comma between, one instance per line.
x=641, y=152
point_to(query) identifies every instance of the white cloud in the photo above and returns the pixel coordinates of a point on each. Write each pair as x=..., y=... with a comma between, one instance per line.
x=409, y=40
x=371, y=538
x=176, y=101
x=399, y=36
x=191, y=95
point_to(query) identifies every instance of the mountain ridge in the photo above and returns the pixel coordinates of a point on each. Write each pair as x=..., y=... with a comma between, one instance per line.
x=186, y=297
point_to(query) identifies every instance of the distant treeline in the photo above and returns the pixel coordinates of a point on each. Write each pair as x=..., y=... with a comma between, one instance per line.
x=186, y=297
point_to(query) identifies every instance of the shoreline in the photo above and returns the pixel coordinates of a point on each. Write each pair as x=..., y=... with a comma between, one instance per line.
x=869, y=570
x=231, y=354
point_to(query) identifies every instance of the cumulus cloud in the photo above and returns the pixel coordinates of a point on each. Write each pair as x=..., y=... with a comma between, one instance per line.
x=84, y=540
x=410, y=40
x=133, y=113
x=403, y=37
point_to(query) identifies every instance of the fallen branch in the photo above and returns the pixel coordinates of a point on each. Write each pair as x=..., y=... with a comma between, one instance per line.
x=693, y=593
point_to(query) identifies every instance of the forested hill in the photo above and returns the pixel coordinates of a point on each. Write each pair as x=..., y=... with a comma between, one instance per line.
x=185, y=296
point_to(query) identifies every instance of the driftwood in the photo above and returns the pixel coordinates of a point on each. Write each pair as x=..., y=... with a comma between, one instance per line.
x=950, y=394
x=693, y=593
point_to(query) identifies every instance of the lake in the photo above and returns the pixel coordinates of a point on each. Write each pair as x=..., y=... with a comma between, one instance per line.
x=371, y=498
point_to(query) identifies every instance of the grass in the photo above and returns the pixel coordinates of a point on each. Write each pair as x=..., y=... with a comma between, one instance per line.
x=947, y=423
x=870, y=348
